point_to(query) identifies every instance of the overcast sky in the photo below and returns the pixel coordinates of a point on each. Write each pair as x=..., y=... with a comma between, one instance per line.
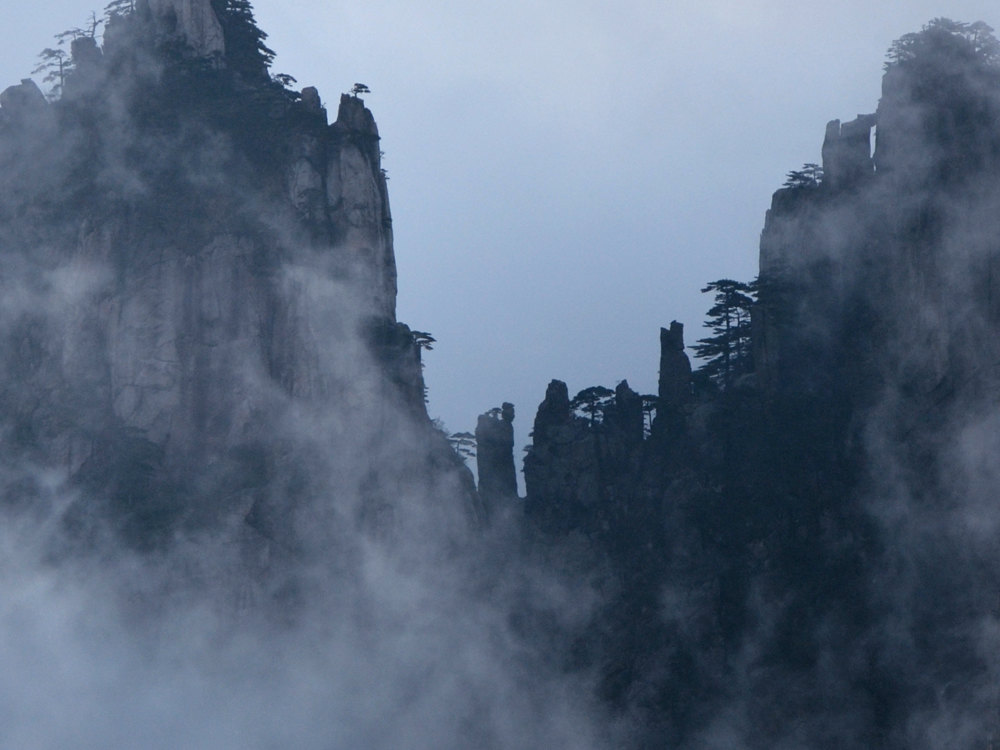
x=565, y=176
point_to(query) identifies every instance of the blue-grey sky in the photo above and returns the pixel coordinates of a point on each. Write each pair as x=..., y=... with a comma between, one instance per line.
x=566, y=175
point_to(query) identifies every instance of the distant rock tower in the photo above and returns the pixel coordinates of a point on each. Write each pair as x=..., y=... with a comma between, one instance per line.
x=495, y=456
x=847, y=152
x=675, y=368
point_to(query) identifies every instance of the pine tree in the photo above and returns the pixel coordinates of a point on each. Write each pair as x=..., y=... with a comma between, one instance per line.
x=464, y=444
x=810, y=176
x=246, y=51
x=56, y=64
x=728, y=353
x=591, y=403
x=119, y=8
x=943, y=37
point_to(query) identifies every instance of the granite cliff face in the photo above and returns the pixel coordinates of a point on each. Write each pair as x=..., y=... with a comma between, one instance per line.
x=222, y=499
x=213, y=422
x=906, y=268
x=203, y=261
x=193, y=21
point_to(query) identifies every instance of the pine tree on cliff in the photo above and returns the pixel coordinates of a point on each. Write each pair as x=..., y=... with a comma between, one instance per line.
x=246, y=52
x=810, y=176
x=56, y=64
x=591, y=403
x=943, y=37
x=728, y=353
x=119, y=7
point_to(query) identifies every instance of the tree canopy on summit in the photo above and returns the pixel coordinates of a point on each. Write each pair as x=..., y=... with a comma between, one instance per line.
x=943, y=37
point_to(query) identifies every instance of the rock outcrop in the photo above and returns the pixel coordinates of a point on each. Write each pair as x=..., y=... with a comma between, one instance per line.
x=495, y=456
x=194, y=21
x=23, y=99
x=847, y=152
x=867, y=245
x=559, y=468
x=816, y=505
x=675, y=368
x=358, y=200
x=227, y=262
x=801, y=513
x=586, y=458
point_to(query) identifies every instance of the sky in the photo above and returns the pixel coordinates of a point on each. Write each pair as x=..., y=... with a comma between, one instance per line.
x=566, y=176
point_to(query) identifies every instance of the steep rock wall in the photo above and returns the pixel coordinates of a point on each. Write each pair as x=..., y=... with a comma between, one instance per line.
x=193, y=20
x=229, y=261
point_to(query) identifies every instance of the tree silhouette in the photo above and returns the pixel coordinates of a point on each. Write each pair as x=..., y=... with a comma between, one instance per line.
x=93, y=24
x=728, y=352
x=246, y=51
x=283, y=79
x=591, y=403
x=56, y=64
x=944, y=37
x=119, y=8
x=464, y=444
x=810, y=176
x=360, y=88
x=423, y=340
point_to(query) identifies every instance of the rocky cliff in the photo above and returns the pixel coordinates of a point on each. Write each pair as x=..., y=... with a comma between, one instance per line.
x=495, y=456
x=219, y=478
x=202, y=263
x=194, y=22
x=778, y=541
x=222, y=499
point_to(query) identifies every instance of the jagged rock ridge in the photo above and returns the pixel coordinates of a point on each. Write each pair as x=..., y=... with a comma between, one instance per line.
x=797, y=549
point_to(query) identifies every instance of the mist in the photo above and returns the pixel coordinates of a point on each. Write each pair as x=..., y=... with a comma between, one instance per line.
x=229, y=521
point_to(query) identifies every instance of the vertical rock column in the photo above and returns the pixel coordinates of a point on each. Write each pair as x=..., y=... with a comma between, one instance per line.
x=675, y=368
x=359, y=202
x=675, y=380
x=847, y=152
x=495, y=456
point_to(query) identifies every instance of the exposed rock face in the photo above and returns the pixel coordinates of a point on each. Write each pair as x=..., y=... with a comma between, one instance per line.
x=580, y=469
x=336, y=182
x=229, y=275
x=358, y=199
x=559, y=466
x=24, y=98
x=194, y=21
x=311, y=100
x=85, y=52
x=931, y=174
x=624, y=417
x=847, y=151
x=675, y=368
x=879, y=316
x=495, y=456
x=198, y=336
x=553, y=413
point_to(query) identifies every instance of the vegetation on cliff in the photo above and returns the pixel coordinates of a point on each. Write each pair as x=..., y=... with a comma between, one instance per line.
x=209, y=408
x=779, y=542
